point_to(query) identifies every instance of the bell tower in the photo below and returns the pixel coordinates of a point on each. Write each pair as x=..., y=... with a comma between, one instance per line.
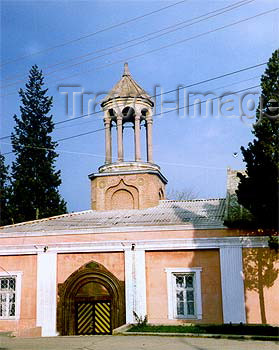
x=124, y=184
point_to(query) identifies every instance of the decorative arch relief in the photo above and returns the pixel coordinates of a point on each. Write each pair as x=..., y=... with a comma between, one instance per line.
x=122, y=196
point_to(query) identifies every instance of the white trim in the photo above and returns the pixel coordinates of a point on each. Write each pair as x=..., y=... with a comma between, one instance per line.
x=129, y=286
x=232, y=285
x=170, y=296
x=140, y=283
x=18, y=275
x=118, y=246
x=170, y=290
x=113, y=229
x=182, y=269
x=46, y=293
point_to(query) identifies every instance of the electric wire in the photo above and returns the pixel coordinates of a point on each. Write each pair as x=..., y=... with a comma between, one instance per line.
x=163, y=93
x=91, y=34
x=157, y=114
x=227, y=9
x=160, y=48
x=167, y=46
x=219, y=88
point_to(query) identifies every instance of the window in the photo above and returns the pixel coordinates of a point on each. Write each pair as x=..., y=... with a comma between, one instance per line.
x=10, y=284
x=184, y=293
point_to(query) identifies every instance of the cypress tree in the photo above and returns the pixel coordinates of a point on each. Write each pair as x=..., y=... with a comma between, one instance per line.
x=35, y=180
x=4, y=193
x=258, y=188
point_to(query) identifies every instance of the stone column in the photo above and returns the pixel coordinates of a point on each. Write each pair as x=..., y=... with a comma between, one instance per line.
x=46, y=293
x=149, y=122
x=120, y=138
x=107, y=123
x=137, y=138
x=140, y=283
x=232, y=285
x=129, y=285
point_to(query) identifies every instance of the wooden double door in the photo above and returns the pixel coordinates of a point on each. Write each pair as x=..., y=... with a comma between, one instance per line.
x=93, y=317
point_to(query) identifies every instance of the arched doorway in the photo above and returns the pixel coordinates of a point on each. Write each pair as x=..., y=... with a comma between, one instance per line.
x=91, y=301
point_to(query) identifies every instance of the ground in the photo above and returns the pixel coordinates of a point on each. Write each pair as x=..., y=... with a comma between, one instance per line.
x=132, y=343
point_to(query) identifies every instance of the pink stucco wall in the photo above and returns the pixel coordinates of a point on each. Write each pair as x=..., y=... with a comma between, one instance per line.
x=69, y=263
x=260, y=267
x=261, y=283
x=28, y=265
x=157, y=300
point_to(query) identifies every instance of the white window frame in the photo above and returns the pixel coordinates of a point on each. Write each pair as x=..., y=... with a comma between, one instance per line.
x=172, y=295
x=18, y=277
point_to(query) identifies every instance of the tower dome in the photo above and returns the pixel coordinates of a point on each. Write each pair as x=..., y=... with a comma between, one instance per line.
x=127, y=87
x=127, y=184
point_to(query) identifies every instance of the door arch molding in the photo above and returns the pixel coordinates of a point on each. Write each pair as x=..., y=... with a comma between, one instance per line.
x=90, y=272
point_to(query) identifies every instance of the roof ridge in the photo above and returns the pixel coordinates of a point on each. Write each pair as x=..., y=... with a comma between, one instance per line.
x=136, y=85
x=192, y=200
x=126, y=70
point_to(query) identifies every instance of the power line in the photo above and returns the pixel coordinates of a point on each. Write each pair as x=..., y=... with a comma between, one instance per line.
x=140, y=37
x=221, y=87
x=164, y=93
x=212, y=99
x=238, y=82
x=169, y=45
x=62, y=151
x=75, y=118
x=63, y=139
x=163, y=47
x=73, y=125
x=191, y=165
x=5, y=137
x=64, y=121
x=92, y=34
x=211, y=79
x=85, y=133
x=226, y=9
x=97, y=130
x=161, y=162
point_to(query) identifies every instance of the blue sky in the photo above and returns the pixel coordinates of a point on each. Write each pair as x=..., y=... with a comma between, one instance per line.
x=193, y=152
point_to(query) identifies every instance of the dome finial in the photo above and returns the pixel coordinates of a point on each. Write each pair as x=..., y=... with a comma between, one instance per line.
x=126, y=69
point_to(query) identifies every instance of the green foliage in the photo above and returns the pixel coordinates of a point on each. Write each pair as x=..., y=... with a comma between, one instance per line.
x=260, y=271
x=258, y=190
x=273, y=243
x=4, y=193
x=243, y=329
x=141, y=322
x=35, y=181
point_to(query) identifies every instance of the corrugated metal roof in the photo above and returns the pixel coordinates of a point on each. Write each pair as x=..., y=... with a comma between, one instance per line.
x=204, y=213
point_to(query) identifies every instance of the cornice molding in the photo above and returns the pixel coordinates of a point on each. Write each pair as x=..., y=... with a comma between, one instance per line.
x=146, y=245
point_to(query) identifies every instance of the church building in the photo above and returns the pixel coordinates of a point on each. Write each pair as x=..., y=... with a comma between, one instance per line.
x=134, y=253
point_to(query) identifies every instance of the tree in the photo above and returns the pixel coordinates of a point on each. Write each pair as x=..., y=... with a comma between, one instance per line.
x=260, y=271
x=183, y=194
x=4, y=193
x=35, y=181
x=258, y=189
